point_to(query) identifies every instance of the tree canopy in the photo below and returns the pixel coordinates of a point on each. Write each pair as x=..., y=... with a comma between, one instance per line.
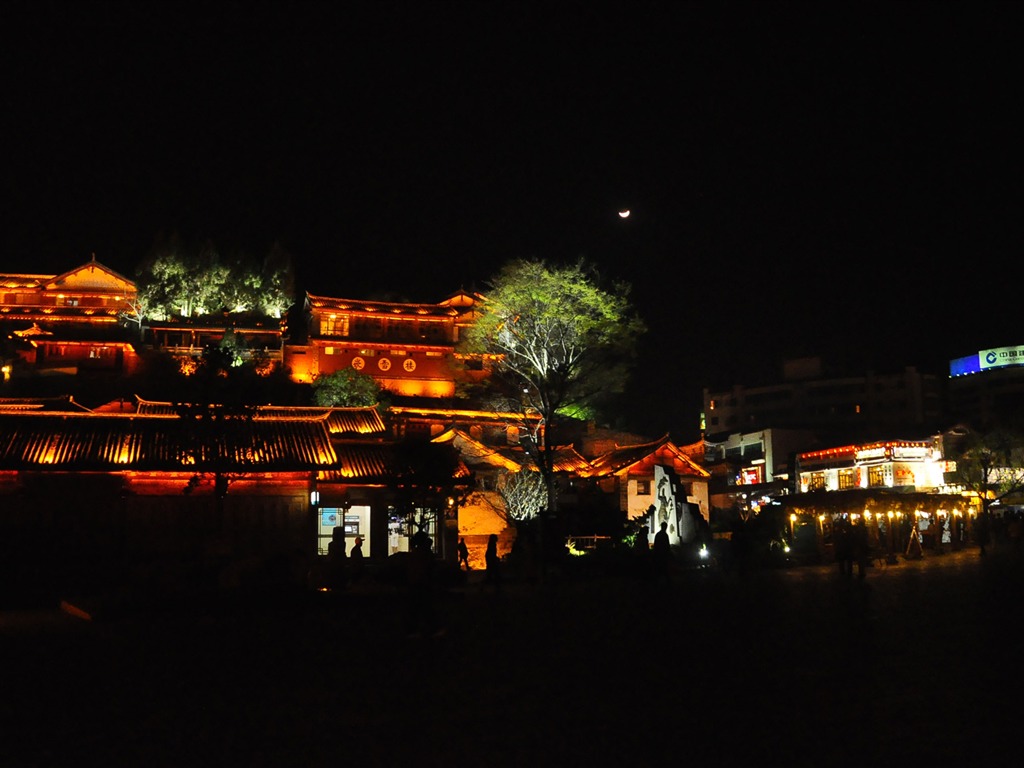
x=561, y=343
x=346, y=388
x=991, y=464
x=184, y=282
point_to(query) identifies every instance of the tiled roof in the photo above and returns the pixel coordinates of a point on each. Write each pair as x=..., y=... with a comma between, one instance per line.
x=460, y=416
x=364, y=422
x=382, y=308
x=117, y=443
x=16, y=280
x=476, y=453
x=623, y=457
x=366, y=462
x=376, y=463
x=512, y=457
x=63, y=404
x=566, y=459
x=73, y=276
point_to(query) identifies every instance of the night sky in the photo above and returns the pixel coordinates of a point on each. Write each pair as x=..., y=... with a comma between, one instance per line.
x=838, y=179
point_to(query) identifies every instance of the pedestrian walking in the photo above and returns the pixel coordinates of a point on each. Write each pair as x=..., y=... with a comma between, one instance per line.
x=463, y=554
x=356, y=560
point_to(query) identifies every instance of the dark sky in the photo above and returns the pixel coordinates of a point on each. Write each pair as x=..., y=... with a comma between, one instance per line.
x=805, y=178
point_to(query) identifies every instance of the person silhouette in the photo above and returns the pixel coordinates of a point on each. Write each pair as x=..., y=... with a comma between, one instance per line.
x=492, y=575
x=463, y=553
x=844, y=547
x=661, y=554
x=356, y=558
x=983, y=532
x=859, y=549
x=336, y=575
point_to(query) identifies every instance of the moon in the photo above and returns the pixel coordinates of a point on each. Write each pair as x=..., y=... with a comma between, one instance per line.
x=624, y=214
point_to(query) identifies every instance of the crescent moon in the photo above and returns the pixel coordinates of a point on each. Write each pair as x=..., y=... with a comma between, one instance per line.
x=624, y=214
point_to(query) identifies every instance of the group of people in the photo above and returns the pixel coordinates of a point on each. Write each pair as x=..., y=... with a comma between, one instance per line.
x=492, y=561
x=343, y=569
x=851, y=546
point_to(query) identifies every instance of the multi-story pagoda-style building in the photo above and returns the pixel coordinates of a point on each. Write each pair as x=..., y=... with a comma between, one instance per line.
x=69, y=322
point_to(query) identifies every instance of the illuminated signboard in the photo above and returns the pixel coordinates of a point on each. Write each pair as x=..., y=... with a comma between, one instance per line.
x=1001, y=356
x=987, y=359
x=902, y=474
x=910, y=452
x=751, y=475
x=963, y=366
x=879, y=452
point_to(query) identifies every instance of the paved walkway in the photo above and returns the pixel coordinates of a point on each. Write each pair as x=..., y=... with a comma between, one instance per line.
x=919, y=664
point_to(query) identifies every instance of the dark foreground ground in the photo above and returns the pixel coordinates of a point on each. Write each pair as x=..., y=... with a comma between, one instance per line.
x=919, y=665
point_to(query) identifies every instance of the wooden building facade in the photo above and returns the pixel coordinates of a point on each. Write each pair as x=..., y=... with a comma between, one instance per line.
x=69, y=322
x=409, y=348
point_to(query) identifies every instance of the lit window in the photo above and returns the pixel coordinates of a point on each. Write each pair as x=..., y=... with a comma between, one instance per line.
x=643, y=487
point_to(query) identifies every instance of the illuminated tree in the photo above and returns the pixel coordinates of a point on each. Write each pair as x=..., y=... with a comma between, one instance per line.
x=561, y=344
x=523, y=494
x=346, y=388
x=276, y=290
x=266, y=289
x=134, y=313
x=175, y=281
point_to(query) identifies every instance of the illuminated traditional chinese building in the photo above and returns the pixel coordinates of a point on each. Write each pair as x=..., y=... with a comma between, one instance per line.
x=69, y=322
x=408, y=348
x=259, y=339
x=656, y=474
x=169, y=489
